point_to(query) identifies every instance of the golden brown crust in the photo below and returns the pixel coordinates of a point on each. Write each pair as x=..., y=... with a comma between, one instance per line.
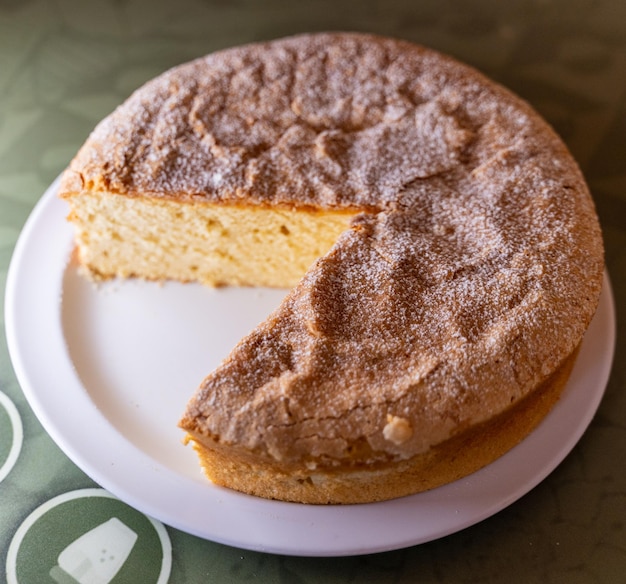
x=453, y=459
x=470, y=276
x=327, y=120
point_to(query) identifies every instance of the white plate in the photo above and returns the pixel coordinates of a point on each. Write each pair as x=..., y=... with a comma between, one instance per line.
x=108, y=371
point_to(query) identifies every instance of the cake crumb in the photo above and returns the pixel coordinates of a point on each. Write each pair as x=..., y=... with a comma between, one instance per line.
x=397, y=430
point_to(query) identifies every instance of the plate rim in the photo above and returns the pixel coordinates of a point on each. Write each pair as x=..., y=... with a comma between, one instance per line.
x=329, y=527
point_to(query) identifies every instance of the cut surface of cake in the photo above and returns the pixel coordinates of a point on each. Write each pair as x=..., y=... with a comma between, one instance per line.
x=441, y=245
x=213, y=244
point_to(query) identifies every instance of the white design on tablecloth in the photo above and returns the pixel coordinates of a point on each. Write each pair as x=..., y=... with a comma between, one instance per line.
x=98, y=554
x=17, y=436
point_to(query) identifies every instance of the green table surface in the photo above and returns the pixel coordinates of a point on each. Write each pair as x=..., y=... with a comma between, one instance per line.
x=65, y=64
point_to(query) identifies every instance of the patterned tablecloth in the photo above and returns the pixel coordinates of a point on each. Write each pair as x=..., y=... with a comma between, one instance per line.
x=65, y=64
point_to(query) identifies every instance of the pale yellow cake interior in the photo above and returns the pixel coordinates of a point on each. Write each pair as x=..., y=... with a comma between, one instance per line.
x=213, y=244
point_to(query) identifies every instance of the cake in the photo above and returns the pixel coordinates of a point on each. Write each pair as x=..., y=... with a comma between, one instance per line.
x=441, y=247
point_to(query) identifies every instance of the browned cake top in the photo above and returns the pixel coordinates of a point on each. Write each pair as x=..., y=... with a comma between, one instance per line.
x=473, y=271
x=324, y=120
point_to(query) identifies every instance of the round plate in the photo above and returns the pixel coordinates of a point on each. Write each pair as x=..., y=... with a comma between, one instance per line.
x=108, y=369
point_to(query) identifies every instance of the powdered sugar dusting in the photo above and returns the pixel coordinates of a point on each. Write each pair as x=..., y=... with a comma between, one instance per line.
x=472, y=273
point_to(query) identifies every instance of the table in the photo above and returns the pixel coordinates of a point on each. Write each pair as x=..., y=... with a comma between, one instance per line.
x=65, y=64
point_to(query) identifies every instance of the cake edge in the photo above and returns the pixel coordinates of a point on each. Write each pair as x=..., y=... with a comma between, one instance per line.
x=455, y=458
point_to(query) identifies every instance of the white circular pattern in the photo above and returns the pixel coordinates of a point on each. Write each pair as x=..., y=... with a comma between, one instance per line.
x=11, y=565
x=18, y=435
x=111, y=350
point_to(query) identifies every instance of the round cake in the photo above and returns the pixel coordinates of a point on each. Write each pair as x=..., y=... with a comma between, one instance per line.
x=455, y=257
